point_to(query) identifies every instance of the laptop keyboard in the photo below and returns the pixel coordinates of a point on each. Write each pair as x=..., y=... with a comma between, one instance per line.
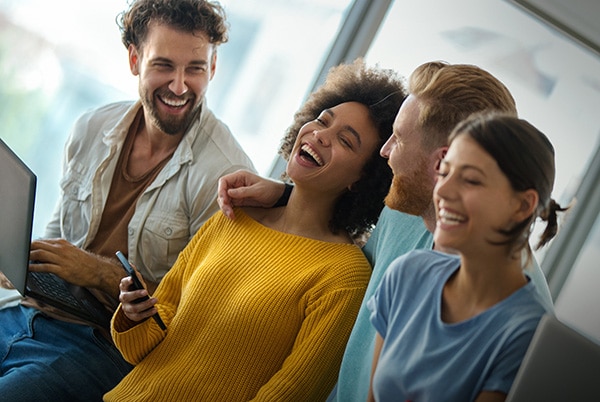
x=52, y=286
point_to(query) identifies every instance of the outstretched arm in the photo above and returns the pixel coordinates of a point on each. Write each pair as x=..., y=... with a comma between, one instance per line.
x=244, y=188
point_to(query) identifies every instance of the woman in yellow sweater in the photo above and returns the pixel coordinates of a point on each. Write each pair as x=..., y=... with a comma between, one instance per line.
x=260, y=308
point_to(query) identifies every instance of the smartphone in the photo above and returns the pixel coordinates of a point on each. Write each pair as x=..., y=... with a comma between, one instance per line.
x=137, y=284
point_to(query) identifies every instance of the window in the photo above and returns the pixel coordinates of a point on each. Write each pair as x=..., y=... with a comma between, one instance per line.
x=578, y=300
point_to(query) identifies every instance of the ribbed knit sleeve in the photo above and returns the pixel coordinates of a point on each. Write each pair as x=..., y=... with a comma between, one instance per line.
x=252, y=314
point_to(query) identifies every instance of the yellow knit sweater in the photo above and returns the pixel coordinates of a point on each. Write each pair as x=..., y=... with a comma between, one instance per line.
x=251, y=314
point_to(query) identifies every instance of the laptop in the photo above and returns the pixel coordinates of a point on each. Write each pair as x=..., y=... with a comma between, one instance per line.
x=560, y=365
x=17, y=197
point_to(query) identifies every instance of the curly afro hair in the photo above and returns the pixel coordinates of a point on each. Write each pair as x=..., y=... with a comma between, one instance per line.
x=382, y=91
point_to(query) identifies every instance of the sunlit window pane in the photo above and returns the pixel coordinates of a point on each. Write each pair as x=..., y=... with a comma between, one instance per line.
x=579, y=299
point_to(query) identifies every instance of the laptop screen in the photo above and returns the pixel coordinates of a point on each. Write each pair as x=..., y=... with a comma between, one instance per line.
x=561, y=364
x=17, y=197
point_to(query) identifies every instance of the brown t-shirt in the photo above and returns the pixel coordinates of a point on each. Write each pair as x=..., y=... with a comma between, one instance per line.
x=112, y=231
x=122, y=198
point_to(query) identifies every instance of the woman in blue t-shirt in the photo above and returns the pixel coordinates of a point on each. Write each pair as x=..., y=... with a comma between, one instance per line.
x=455, y=327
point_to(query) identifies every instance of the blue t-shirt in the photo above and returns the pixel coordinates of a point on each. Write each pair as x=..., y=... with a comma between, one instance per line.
x=396, y=233
x=425, y=359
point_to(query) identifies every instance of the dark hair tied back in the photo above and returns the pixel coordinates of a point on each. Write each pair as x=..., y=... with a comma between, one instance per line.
x=526, y=157
x=549, y=214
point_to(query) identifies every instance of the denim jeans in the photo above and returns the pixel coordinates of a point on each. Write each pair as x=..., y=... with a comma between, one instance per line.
x=44, y=359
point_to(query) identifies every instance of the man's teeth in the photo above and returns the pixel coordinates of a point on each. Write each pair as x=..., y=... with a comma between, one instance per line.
x=174, y=103
x=450, y=218
x=312, y=154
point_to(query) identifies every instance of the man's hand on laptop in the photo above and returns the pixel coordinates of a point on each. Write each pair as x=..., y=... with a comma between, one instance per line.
x=75, y=265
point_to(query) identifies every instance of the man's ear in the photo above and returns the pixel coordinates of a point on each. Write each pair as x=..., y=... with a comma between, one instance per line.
x=439, y=155
x=134, y=59
x=527, y=204
x=213, y=64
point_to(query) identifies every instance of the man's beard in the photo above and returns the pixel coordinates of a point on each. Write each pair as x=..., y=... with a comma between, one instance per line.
x=411, y=194
x=172, y=125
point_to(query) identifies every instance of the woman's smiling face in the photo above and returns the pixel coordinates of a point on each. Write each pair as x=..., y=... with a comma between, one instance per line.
x=473, y=198
x=331, y=151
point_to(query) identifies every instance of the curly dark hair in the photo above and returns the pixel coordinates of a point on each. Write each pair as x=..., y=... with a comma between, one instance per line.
x=382, y=91
x=185, y=15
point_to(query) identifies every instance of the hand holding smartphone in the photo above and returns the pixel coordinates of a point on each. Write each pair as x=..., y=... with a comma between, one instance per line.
x=137, y=284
